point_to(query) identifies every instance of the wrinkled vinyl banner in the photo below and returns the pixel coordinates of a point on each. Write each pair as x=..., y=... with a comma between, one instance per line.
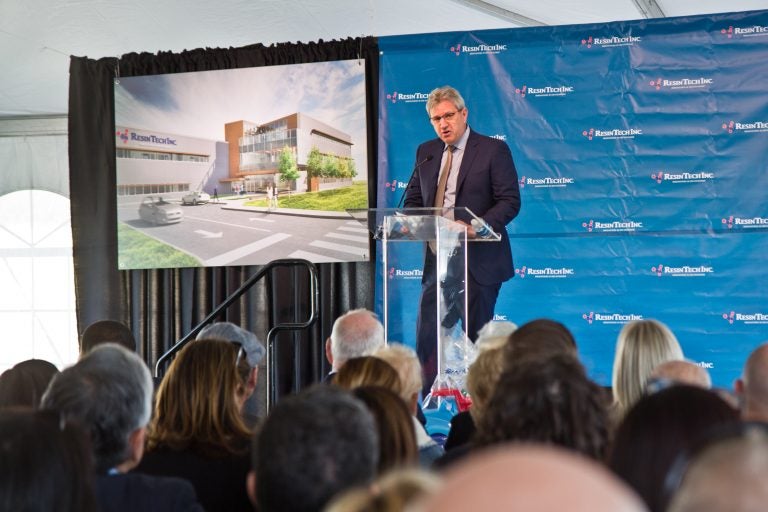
x=641, y=149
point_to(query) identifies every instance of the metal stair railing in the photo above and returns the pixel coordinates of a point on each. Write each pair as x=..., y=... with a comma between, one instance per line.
x=314, y=309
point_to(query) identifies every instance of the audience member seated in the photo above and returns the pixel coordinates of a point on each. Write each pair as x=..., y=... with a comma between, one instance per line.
x=494, y=333
x=656, y=428
x=752, y=386
x=109, y=391
x=106, y=331
x=356, y=333
x=531, y=477
x=25, y=383
x=254, y=355
x=311, y=447
x=642, y=345
x=198, y=432
x=680, y=372
x=727, y=474
x=45, y=463
x=397, y=438
x=396, y=491
x=549, y=401
x=368, y=371
x=482, y=376
x=539, y=339
x=405, y=361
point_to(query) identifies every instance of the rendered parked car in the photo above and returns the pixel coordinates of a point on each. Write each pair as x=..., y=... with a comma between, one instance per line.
x=157, y=210
x=195, y=198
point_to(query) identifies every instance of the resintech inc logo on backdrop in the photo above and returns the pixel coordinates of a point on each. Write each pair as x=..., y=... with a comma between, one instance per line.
x=610, y=318
x=681, y=83
x=613, y=134
x=395, y=184
x=733, y=317
x=399, y=273
x=732, y=32
x=682, y=176
x=682, y=270
x=547, y=182
x=745, y=127
x=543, y=91
x=479, y=49
x=544, y=272
x=612, y=226
x=408, y=97
x=732, y=221
x=610, y=41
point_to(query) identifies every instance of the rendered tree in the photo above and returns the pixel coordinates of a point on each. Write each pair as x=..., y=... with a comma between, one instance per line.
x=287, y=165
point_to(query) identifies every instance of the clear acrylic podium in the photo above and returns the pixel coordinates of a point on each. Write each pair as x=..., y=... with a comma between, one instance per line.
x=445, y=232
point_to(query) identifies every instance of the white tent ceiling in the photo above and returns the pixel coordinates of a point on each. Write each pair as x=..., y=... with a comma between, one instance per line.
x=38, y=36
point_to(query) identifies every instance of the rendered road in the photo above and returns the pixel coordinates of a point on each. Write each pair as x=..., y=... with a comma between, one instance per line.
x=219, y=237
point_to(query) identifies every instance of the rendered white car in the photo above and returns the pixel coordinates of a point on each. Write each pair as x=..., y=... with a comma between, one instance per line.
x=195, y=197
x=157, y=210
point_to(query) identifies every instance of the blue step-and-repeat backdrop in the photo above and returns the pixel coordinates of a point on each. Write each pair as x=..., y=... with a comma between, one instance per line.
x=642, y=153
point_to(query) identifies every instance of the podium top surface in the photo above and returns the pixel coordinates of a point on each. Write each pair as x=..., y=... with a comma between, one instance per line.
x=421, y=224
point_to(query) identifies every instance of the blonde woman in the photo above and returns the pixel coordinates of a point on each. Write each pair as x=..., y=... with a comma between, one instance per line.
x=642, y=345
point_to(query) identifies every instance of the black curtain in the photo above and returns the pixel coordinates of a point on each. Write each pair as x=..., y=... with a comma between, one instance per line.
x=163, y=305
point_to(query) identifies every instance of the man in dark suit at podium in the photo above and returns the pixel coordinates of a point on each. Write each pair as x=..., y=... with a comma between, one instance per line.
x=461, y=168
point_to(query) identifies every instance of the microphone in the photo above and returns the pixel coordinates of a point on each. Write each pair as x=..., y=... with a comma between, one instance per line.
x=413, y=173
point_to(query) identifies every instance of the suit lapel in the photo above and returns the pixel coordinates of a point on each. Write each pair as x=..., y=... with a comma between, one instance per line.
x=431, y=172
x=466, y=161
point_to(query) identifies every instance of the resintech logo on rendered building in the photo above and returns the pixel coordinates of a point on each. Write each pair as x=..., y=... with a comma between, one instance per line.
x=681, y=83
x=408, y=97
x=614, y=134
x=610, y=318
x=610, y=41
x=480, y=49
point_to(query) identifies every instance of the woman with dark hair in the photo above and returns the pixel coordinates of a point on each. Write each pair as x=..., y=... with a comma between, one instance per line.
x=656, y=428
x=198, y=432
x=397, y=438
x=25, y=383
x=45, y=463
x=549, y=401
x=538, y=339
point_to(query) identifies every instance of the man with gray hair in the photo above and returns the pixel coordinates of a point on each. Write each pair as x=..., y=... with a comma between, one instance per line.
x=109, y=392
x=461, y=168
x=356, y=333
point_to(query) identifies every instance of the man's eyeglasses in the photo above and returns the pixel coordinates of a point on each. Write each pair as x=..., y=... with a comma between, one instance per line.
x=448, y=116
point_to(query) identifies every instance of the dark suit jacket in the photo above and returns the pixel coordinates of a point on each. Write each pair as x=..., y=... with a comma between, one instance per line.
x=131, y=492
x=487, y=185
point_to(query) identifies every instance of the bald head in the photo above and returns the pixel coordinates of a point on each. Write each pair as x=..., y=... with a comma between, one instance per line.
x=729, y=476
x=754, y=385
x=532, y=477
x=683, y=372
x=356, y=333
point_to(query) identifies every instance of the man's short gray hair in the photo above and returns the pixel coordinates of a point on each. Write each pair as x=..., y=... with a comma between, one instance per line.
x=445, y=93
x=109, y=391
x=356, y=333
